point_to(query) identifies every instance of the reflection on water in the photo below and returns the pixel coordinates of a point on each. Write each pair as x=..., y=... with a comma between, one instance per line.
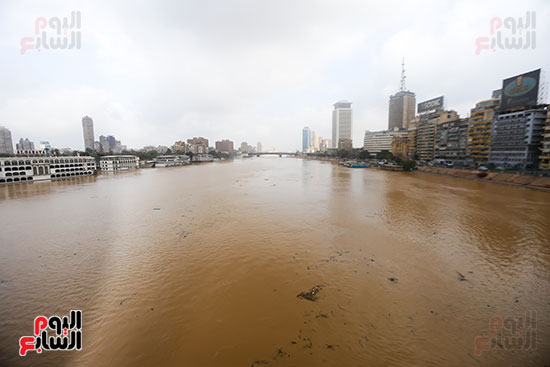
x=211, y=278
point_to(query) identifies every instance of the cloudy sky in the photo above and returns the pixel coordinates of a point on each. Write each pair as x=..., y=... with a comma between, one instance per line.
x=153, y=72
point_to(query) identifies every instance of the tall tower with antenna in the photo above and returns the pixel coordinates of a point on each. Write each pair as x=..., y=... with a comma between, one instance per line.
x=403, y=77
x=402, y=105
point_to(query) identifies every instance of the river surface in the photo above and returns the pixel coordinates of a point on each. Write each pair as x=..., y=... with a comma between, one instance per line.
x=201, y=266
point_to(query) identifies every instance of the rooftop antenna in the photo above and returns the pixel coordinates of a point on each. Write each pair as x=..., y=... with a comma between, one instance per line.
x=403, y=77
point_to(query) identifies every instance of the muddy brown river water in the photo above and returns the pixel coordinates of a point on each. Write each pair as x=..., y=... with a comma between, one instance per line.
x=201, y=266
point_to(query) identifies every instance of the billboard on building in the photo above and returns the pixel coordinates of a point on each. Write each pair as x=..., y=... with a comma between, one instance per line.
x=521, y=90
x=434, y=104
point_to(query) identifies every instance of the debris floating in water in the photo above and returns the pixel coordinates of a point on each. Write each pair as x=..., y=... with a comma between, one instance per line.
x=156, y=208
x=311, y=295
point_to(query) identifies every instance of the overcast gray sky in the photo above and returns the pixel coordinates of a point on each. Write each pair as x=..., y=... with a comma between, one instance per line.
x=153, y=72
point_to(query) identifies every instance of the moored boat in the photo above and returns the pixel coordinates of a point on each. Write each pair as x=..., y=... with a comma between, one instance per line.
x=391, y=167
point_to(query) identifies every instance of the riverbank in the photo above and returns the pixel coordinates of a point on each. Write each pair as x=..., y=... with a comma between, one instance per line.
x=325, y=159
x=517, y=179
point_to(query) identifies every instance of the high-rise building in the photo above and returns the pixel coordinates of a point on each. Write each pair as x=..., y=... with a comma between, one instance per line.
x=519, y=123
x=411, y=144
x=311, y=141
x=426, y=130
x=378, y=141
x=306, y=139
x=118, y=147
x=44, y=145
x=516, y=137
x=6, y=144
x=345, y=144
x=314, y=143
x=259, y=147
x=179, y=147
x=401, y=109
x=324, y=145
x=197, y=145
x=342, y=123
x=400, y=146
x=198, y=141
x=112, y=143
x=451, y=140
x=88, y=130
x=225, y=146
x=425, y=136
x=109, y=144
x=401, y=106
x=545, y=148
x=104, y=144
x=246, y=148
x=24, y=145
x=479, y=132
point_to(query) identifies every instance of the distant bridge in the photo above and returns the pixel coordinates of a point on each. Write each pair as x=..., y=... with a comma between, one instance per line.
x=280, y=154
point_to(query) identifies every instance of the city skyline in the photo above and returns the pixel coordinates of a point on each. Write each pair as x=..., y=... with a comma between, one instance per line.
x=475, y=141
x=131, y=89
x=342, y=123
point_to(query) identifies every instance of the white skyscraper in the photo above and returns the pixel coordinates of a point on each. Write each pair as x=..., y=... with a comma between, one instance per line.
x=6, y=144
x=342, y=122
x=259, y=147
x=314, y=144
x=306, y=139
x=88, y=130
